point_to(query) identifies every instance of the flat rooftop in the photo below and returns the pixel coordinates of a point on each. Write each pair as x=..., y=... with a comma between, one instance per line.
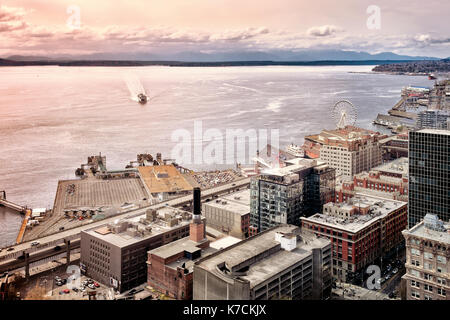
x=224, y=242
x=397, y=166
x=268, y=266
x=126, y=238
x=435, y=131
x=380, y=208
x=94, y=193
x=348, y=133
x=297, y=165
x=176, y=247
x=420, y=230
x=164, y=178
x=237, y=202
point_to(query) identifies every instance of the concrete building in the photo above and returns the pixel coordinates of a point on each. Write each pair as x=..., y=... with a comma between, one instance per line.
x=433, y=119
x=116, y=254
x=428, y=260
x=283, y=195
x=361, y=231
x=282, y=262
x=229, y=214
x=349, y=150
x=429, y=175
x=389, y=180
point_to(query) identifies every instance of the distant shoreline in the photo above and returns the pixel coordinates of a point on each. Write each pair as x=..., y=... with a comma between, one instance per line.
x=135, y=63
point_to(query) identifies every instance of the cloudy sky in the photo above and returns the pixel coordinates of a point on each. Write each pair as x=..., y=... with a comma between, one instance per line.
x=52, y=27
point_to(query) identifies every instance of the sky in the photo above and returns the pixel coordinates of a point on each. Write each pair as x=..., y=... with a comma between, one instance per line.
x=78, y=27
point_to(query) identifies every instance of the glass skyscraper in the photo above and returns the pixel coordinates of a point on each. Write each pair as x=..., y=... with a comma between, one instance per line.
x=429, y=175
x=283, y=195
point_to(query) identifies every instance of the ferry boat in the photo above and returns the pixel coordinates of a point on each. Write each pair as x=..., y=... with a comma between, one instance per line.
x=295, y=151
x=142, y=98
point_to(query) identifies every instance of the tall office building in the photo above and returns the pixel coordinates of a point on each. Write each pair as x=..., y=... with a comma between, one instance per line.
x=429, y=175
x=283, y=195
x=349, y=150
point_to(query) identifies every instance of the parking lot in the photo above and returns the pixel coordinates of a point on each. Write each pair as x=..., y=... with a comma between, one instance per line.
x=78, y=289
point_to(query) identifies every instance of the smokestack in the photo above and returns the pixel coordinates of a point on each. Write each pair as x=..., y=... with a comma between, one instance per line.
x=197, y=227
x=197, y=202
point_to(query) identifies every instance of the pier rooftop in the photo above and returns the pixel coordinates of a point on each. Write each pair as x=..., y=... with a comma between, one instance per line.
x=86, y=198
x=164, y=179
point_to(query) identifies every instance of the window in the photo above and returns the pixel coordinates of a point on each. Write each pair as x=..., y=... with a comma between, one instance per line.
x=415, y=252
x=428, y=277
x=415, y=294
x=441, y=281
x=441, y=259
x=428, y=266
x=415, y=263
x=428, y=288
x=428, y=255
x=427, y=297
x=415, y=284
x=441, y=269
x=415, y=273
x=441, y=292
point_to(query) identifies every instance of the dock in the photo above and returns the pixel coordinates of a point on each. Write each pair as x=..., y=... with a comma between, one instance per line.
x=9, y=204
x=23, y=226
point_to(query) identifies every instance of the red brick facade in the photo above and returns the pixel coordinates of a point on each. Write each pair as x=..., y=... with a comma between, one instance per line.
x=364, y=246
x=175, y=283
x=197, y=231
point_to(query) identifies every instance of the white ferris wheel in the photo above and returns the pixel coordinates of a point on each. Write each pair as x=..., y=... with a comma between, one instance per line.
x=344, y=113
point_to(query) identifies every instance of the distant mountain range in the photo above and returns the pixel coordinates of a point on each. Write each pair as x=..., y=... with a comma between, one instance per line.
x=194, y=56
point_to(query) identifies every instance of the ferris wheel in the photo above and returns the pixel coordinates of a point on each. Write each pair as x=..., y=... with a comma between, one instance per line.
x=344, y=113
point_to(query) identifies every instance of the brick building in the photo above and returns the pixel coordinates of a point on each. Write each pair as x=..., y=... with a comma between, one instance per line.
x=389, y=180
x=361, y=230
x=170, y=267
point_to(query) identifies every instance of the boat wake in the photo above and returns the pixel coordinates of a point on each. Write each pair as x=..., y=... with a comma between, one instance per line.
x=134, y=86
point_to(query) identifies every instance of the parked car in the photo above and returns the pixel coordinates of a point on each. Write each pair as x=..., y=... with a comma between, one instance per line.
x=10, y=249
x=395, y=271
x=96, y=284
x=75, y=289
x=35, y=243
x=61, y=228
x=91, y=286
x=66, y=291
x=388, y=276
